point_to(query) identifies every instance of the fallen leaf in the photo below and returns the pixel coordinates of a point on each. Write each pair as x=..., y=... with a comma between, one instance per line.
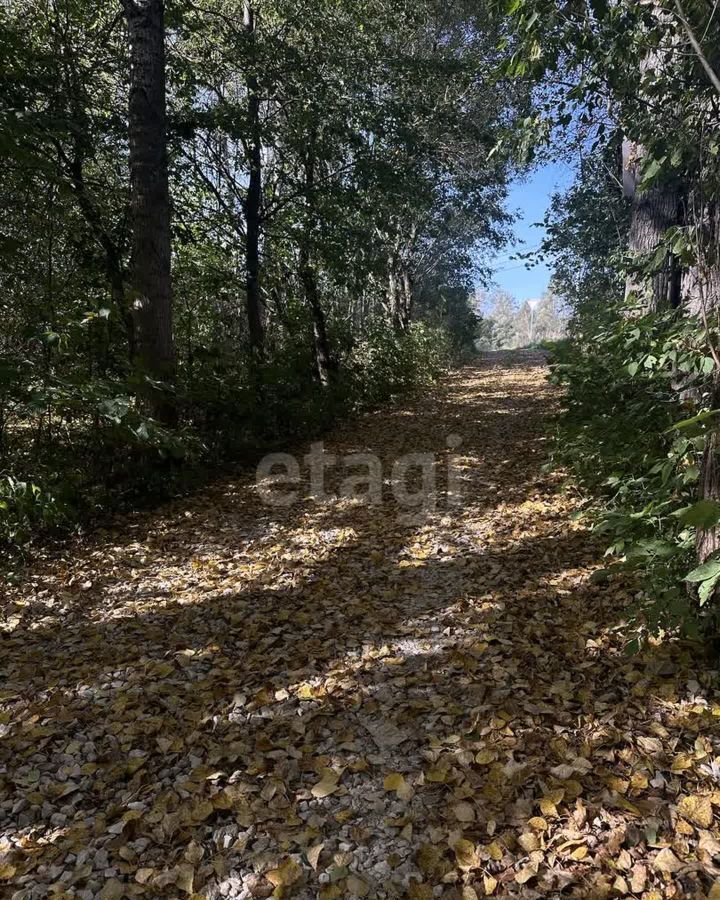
x=697, y=810
x=464, y=812
x=327, y=785
x=285, y=874
x=667, y=862
x=313, y=855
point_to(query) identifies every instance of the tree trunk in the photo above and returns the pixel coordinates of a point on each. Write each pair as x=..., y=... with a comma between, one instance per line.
x=150, y=256
x=707, y=542
x=653, y=211
x=701, y=298
x=253, y=198
x=111, y=249
x=324, y=362
x=394, y=293
x=700, y=285
x=407, y=299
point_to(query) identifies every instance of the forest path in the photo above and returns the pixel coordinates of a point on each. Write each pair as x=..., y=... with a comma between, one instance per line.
x=225, y=698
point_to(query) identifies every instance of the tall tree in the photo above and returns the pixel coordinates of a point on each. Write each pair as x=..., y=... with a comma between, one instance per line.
x=253, y=198
x=654, y=210
x=150, y=266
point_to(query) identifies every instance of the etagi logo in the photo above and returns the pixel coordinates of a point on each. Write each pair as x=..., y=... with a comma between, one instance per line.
x=412, y=478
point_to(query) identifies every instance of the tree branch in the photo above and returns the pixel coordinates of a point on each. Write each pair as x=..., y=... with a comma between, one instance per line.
x=709, y=71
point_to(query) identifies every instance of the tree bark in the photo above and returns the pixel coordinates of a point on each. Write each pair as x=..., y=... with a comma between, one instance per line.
x=324, y=363
x=150, y=267
x=407, y=299
x=653, y=211
x=700, y=286
x=394, y=293
x=701, y=298
x=253, y=199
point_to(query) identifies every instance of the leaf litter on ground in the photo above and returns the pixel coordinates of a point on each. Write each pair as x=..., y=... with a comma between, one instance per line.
x=221, y=699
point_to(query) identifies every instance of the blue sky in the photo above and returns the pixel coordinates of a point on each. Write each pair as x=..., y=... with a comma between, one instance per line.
x=530, y=198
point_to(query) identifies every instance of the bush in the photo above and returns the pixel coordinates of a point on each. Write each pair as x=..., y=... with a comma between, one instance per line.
x=74, y=448
x=624, y=433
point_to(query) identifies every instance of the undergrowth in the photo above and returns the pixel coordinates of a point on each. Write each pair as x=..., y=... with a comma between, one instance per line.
x=72, y=451
x=636, y=415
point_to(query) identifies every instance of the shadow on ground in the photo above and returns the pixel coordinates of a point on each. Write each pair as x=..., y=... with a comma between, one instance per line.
x=199, y=699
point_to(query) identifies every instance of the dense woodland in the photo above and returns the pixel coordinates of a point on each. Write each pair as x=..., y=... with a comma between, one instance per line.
x=228, y=223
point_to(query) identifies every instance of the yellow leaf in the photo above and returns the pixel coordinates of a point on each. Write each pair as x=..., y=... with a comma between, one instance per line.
x=538, y=823
x=485, y=757
x=697, y=810
x=394, y=781
x=525, y=874
x=285, y=874
x=667, y=862
x=714, y=893
x=494, y=851
x=7, y=870
x=682, y=762
x=327, y=785
x=489, y=883
x=468, y=893
x=466, y=854
x=548, y=807
x=683, y=827
x=580, y=852
x=529, y=841
x=135, y=763
x=620, y=785
x=639, y=781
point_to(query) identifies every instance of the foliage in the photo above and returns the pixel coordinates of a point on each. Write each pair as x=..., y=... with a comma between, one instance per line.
x=78, y=449
x=633, y=87
x=627, y=432
x=384, y=140
x=510, y=324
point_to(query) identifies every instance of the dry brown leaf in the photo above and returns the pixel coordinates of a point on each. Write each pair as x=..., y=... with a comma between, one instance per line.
x=667, y=862
x=313, y=855
x=327, y=785
x=286, y=874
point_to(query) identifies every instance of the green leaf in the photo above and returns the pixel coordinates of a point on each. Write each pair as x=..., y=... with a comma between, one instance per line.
x=708, y=570
x=700, y=419
x=653, y=168
x=707, y=589
x=703, y=514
